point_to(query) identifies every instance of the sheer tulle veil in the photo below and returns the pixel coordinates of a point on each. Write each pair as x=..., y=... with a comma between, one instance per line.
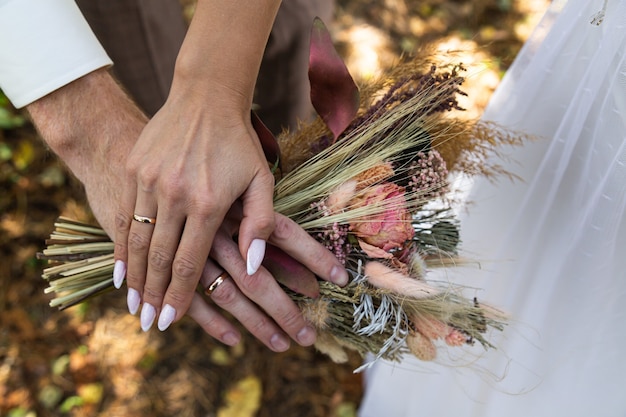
x=552, y=247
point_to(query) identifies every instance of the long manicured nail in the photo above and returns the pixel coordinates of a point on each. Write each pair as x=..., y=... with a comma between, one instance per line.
x=119, y=273
x=256, y=253
x=133, y=299
x=279, y=342
x=339, y=276
x=167, y=316
x=148, y=314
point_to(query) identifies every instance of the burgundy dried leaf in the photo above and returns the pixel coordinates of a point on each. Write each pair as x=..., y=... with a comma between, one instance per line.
x=289, y=272
x=267, y=139
x=334, y=94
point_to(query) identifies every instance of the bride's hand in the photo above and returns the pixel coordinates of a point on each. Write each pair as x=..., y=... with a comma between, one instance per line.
x=191, y=162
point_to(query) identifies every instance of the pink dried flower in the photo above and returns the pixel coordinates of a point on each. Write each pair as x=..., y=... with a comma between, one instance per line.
x=340, y=196
x=455, y=338
x=374, y=251
x=335, y=236
x=428, y=175
x=431, y=327
x=422, y=347
x=386, y=278
x=391, y=227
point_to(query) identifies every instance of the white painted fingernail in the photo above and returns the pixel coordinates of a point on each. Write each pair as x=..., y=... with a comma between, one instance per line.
x=119, y=273
x=167, y=316
x=148, y=314
x=256, y=253
x=133, y=299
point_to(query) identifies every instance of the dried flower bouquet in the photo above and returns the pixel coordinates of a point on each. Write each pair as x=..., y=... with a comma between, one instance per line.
x=369, y=180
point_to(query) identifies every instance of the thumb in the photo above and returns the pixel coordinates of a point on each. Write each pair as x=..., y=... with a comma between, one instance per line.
x=257, y=223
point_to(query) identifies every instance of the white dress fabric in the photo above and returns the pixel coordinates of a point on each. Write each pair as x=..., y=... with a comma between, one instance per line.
x=552, y=247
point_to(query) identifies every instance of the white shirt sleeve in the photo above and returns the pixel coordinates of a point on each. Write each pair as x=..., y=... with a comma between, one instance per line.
x=44, y=45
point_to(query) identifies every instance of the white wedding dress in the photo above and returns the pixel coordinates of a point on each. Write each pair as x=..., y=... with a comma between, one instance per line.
x=552, y=247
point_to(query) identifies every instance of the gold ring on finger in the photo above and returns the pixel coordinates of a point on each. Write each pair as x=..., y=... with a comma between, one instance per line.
x=218, y=281
x=144, y=219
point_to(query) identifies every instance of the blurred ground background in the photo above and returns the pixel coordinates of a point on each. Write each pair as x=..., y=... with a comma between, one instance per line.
x=93, y=360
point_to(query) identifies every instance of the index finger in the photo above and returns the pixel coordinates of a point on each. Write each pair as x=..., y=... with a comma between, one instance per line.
x=300, y=245
x=264, y=291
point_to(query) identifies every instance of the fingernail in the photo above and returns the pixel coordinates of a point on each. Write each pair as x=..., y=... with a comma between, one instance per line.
x=339, y=276
x=256, y=252
x=167, y=316
x=119, y=273
x=306, y=336
x=133, y=299
x=230, y=338
x=279, y=342
x=148, y=313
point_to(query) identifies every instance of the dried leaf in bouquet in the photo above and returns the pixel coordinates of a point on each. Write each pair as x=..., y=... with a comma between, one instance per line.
x=369, y=180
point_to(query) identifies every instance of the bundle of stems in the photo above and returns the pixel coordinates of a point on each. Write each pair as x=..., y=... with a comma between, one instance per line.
x=359, y=316
x=373, y=188
x=82, y=259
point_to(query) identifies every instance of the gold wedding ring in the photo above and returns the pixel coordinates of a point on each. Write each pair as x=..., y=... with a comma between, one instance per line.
x=144, y=219
x=218, y=281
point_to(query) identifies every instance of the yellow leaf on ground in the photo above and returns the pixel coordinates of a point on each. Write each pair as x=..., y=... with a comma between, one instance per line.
x=91, y=393
x=345, y=409
x=242, y=400
x=24, y=155
x=220, y=356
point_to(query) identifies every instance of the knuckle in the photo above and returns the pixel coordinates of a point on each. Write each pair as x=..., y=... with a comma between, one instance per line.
x=147, y=177
x=122, y=221
x=225, y=295
x=204, y=206
x=177, y=297
x=290, y=319
x=138, y=242
x=251, y=284
x=283, y=229
x=132, y=166
x=172, y=187
x=186, y=268
x=261, y=325
x=160, y=260
x=209, y=324
x=214, y=324
x=267, y=177
x=152, y=295
x=265, y=222
x=120, y=251
x=135, y=280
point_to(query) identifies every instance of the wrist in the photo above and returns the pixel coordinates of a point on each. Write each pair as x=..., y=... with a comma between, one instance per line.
x=92, y=125
x=87, y=121
x=222, y=51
